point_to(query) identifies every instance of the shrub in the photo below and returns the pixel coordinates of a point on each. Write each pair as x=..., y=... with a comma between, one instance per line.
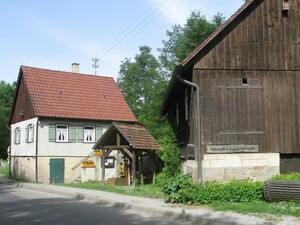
x=174, y=185
x=211, y=192
x=290, y=176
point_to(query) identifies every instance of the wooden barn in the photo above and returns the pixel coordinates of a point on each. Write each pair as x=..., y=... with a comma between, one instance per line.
x=236, y=98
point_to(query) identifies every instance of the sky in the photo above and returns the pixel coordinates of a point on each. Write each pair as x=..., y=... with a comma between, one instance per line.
x=53, y=34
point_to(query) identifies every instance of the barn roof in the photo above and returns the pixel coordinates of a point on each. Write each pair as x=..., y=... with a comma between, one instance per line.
x=204, y=47
x=131, y=135
x=58, y=94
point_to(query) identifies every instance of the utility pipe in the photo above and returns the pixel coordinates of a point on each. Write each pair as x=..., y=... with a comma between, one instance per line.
x=197, y=135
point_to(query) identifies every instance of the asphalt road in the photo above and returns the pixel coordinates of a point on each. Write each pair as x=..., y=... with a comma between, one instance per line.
x=25, y=206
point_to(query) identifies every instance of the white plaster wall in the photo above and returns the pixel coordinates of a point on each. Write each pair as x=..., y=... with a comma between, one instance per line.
x=24, y=148
x=225, y=167
x=56, y=149
x=70, y=175
x=23, y=168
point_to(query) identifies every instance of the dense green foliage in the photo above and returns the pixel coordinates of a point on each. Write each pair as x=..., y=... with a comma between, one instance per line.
x=180, y=189
x=289, y=176
x=184, y=39
x=6, y=98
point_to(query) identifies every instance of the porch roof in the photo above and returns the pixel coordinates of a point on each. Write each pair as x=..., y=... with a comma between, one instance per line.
x=127, y=135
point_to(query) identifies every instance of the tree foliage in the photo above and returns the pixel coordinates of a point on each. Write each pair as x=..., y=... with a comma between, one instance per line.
x=184, y=39
x=6, y=98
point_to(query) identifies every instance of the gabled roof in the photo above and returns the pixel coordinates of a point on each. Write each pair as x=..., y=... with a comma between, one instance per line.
x=218, y=32
x=133, y=135
x=58, y=94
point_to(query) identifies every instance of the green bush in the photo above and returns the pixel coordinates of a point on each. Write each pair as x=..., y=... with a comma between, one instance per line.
x=211, y=192
x=290, y=176
x=161, y=179
x=174, y=185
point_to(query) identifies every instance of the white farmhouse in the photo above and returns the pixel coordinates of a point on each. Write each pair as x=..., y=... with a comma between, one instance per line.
x=56, y=119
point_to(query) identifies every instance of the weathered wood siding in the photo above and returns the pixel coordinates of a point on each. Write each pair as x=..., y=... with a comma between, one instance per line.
x=263, y=40
x=22, y=103
x=264, y=112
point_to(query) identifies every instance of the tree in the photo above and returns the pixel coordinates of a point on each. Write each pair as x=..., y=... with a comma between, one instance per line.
x=6, y=97
x=184, y=39
x=141, y=82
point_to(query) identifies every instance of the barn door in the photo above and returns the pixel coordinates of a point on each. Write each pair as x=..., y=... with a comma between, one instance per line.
x=57, y=171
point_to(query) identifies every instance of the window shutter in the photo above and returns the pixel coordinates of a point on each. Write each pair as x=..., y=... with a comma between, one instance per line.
x=26, y=134
x=99, y=132
x=15, y=136
x=32, y=133
x=79, y=133
x=52, y=136
x=72, y=133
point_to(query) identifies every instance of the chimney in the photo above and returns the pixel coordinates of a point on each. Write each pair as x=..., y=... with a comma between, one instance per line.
x=75, y=67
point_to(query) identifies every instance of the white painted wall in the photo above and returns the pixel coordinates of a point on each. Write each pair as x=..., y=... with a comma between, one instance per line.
x=56, y=149
x=24, y=148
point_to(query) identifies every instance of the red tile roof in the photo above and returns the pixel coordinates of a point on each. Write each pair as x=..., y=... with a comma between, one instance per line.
x=76, y=96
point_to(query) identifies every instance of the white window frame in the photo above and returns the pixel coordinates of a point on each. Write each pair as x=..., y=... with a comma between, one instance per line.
x=17, y=138
x=62, y=132
x=30, y=133
x=89, y=135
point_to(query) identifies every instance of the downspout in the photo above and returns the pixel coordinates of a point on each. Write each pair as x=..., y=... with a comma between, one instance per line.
x=36, y=152
x=197, y=134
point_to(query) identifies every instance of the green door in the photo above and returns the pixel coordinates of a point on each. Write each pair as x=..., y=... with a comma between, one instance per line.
x=57, y=171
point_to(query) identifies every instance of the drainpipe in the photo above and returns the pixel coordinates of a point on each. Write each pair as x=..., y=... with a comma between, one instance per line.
x=197, y=134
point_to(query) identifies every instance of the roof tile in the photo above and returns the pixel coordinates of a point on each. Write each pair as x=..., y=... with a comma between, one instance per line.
x=76, y=96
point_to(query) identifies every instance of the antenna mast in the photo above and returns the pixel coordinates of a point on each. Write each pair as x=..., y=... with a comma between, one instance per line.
x=95, y=65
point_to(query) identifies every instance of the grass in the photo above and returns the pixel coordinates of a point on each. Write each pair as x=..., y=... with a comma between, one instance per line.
x=150, y=190
x=275, y=208
x=4, y=171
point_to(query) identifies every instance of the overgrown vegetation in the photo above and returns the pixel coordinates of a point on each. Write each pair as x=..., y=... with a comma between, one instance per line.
x=4, y=171
x=180, y=189
x=289, y=176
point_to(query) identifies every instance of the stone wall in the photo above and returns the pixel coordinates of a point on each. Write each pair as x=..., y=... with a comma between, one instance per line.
x=23, y=168
x=225, y=167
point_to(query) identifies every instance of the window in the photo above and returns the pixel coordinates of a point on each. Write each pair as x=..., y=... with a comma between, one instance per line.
x=17, y=135
x=89, y=133
x=29, y=135
x=61, y=133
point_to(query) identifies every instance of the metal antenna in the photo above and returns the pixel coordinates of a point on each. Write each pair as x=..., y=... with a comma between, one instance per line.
x=95, y=65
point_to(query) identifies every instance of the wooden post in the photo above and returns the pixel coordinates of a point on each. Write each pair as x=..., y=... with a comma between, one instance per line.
x=141, y=168
x=103, y=169
x=153, y=167
x=133, y=167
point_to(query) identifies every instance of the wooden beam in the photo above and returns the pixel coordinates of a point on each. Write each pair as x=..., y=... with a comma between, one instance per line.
x=128, y=153
x=108, y=152
x=141, y=168
x=115, y=147
x=103, y=169
x=133, y=167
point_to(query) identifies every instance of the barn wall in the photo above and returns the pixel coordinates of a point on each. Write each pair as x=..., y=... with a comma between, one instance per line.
x=264, y=112
x=263, y=40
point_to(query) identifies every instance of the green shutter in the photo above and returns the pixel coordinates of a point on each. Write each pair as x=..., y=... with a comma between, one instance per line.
x=32, y=132
x=79, y=133
x=52, y=133
x=26, y=134
x=99, y=132
x=72, y=133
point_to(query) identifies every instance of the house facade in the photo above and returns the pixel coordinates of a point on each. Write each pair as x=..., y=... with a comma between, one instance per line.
x=56, y=119
x=235, y=99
